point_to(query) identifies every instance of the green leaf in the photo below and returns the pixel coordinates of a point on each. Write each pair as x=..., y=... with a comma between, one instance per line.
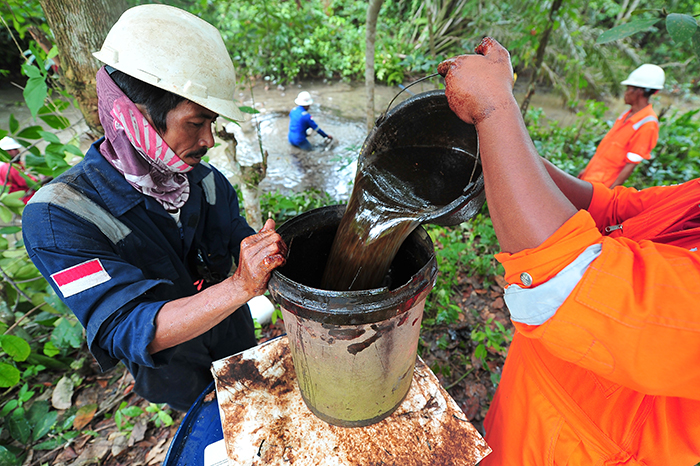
x=31, y=132
x=18, y=426
x=34, y=94
x=51, y=363
x=38, y=410
x=68, y=331
x=625, y=30
x=56, y=122
x=132, y=411
x=250, y=110
x=50, y=137
x=14, y=124
x=50, y=349
x=8, y=458
x=44, y=426
x=9, y=375
x=16, y=347
x=696, y=42
x=75, y=150
x=10, y=230
x=52, y=443
x=12, y=199
x=5, y=214
x=681, y=27
x=31, y=71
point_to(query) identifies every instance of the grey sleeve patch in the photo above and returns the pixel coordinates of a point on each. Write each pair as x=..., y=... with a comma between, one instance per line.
x=62, y=195
x=209, y=187
x=534, y=306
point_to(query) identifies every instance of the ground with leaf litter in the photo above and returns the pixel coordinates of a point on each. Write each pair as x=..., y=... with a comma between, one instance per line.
x=449, y=350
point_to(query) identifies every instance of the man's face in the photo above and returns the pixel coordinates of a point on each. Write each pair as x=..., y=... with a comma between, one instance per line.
x=631, y=94
x=189, y=132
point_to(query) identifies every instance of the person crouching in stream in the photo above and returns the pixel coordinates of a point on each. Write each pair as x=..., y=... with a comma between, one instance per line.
x=300, y=121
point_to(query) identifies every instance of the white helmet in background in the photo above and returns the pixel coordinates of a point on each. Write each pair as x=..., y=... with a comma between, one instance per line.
x=174, y=50
x=647, y=76
x=304, y=99
x=7, y=143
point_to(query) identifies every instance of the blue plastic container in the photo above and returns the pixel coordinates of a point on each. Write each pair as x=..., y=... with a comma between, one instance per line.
x=200, y=428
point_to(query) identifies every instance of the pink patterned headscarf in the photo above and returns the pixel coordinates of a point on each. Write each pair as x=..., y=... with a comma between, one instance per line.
x=136, y=150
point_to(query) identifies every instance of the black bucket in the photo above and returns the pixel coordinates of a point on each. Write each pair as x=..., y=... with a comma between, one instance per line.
x=425, y=121
x=353, y=351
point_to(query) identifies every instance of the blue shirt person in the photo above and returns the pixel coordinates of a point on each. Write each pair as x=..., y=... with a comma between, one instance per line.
x=300, y=120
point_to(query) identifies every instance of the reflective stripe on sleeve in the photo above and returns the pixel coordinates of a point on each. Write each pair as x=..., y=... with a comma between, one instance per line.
x=534, y=306
x=634, y=158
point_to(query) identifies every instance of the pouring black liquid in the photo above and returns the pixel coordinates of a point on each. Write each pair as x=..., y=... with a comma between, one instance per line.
x=394, y=192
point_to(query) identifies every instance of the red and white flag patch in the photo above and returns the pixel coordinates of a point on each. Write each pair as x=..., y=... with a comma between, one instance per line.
x=80, y=277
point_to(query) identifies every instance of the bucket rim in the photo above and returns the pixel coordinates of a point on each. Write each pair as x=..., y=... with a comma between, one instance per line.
x=340, y=307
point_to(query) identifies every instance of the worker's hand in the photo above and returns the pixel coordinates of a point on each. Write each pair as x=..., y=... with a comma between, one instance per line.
x=330, y=138
x=478, y=85
x=260, y=255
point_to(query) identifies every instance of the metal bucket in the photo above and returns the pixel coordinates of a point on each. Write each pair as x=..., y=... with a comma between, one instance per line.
x=426, y=121
x=353, y=351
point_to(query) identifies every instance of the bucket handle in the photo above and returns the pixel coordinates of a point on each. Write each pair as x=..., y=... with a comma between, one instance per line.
x=406, y=87
x=403, y=88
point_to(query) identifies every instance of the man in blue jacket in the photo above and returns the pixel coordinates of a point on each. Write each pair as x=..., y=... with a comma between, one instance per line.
x=139, y=238
x=300, y=121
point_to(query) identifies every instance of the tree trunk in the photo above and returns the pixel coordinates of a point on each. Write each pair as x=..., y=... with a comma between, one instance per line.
x=540, y=56
x=370, y=30
x=79, y=28
x=249, y=177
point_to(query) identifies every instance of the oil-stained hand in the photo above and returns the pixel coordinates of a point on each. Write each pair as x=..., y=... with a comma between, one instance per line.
x=477, y=85
x=260, y=255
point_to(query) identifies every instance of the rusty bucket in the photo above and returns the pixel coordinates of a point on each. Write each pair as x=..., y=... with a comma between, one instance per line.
x=354, y=351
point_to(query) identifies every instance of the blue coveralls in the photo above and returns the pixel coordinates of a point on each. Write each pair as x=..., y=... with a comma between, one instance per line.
x=91, y=212
x=299, y=121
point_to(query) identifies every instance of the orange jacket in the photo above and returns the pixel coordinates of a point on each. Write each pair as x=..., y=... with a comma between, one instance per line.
x=613, y=378
x=628, y=141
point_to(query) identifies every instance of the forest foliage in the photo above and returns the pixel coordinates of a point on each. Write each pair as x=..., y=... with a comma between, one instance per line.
x=42, y=345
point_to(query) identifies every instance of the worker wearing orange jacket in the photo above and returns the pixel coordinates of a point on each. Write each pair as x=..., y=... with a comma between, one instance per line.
x=633, y=135
x=604, y=366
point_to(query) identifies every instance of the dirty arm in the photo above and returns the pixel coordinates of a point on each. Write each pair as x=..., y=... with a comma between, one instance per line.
x=186, y=318
x=525, y=204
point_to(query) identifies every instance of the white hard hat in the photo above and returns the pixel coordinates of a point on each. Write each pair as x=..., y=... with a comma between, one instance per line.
x=647, y=76
x=7, y=143
x=304, y=99
x=174, y=50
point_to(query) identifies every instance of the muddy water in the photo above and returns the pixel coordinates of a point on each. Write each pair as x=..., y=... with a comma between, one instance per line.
x=338, y=109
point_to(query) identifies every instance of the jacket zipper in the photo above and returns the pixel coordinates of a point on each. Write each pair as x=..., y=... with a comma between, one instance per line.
x=611, y=228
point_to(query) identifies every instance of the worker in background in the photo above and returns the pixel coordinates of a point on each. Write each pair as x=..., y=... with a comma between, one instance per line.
x=603, y=293
x=633, y=135
x=139, y=238
x=10, y=176
x=300, y=122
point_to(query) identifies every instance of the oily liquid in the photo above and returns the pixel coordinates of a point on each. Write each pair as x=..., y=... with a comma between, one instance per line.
x=394, y=192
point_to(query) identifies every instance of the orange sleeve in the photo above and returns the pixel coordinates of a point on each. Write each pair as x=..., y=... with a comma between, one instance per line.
x=558, y=251
x=644, y=140
x=633, y=319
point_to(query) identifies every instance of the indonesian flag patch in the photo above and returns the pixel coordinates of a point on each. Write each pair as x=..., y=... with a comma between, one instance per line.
x=80, y=277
